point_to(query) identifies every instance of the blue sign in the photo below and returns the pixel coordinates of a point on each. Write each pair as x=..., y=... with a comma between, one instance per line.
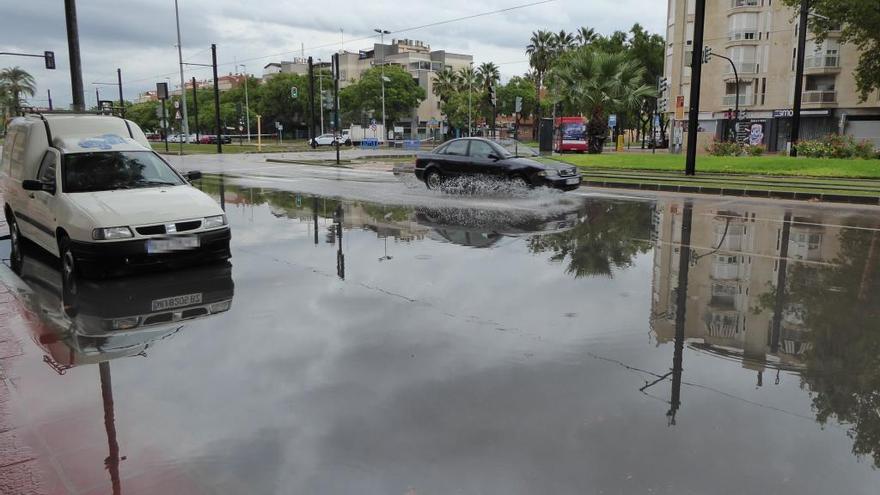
x=612, y=120
x=656, y=121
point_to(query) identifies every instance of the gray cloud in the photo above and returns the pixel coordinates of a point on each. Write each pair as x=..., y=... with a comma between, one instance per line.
x=139, y=36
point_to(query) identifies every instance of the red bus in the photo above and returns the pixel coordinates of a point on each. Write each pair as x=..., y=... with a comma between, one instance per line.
x=571, y=134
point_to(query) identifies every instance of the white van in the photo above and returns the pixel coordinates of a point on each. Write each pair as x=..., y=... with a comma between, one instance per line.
x=90, y=190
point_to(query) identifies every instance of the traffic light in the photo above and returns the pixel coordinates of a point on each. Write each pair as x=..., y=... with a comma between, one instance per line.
x=294, y=92
x=707, y=54
x=490, y=95
x=50, y=59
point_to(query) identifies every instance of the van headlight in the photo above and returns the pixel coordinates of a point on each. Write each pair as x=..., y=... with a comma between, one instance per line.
x=110, y=233
x=125, y=323
x=215, y=221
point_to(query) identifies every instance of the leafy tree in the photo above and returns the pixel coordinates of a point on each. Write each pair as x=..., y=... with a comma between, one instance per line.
x=516, y=86
x=610, y=237
x=275, y=104
x=144, y=115
x=586, y=36
x=860, y=22
x=364, y=97
x=563, y=41
x=446, y=82
x=16, y=82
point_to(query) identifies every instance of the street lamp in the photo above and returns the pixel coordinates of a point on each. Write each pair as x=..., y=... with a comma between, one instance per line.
x=470, y=90
x=321, y=92
x=247, y=108
x=182, y=83
x=382, y=33
x=119, y=84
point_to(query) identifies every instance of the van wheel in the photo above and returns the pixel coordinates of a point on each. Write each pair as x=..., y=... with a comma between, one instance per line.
x=69, y=268
x=16, y=256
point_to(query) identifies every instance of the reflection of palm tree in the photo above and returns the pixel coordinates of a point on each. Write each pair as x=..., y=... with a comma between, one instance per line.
x=15, y=83
x=609, y=238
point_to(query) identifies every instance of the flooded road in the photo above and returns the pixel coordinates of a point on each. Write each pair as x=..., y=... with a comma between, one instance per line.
x=469, y=344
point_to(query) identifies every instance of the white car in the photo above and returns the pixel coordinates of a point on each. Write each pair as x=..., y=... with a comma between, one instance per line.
x=329, y=140
x=89, y=190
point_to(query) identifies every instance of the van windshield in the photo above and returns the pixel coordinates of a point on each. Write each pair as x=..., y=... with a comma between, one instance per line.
x=110, y=170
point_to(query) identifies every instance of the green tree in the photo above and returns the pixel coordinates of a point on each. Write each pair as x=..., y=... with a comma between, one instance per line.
x=364, y=97
x=487, y=73
x=595, y=83
x=586, y=36
x=144, y=115
x=859, y=21
x=563, y=41
x=516, y=86
x=16, y=83
x=275, y=104
x=446, y=82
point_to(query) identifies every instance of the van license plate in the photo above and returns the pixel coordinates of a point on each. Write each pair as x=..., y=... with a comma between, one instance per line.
x=172, y=244
x=176, y=301
x=575, y=180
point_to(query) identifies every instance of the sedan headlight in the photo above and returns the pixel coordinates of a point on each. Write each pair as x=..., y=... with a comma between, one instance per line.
x=547, y=173
x=215, y=221
x=110, y=233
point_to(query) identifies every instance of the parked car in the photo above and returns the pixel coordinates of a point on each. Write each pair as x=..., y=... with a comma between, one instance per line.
x=89, y=190
x=212, y=139
x=484, y=158
x=328, y=140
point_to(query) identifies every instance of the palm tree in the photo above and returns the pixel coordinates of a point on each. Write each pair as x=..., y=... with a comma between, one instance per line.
x=488, y=73
x=586, y=35
x=595, y=83
x=563, y=42
x=446, y=82
x=16, y=82
x=540, y=52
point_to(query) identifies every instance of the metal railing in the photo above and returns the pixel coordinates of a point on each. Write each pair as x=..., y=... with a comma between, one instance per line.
x=742, y=34
x=744, y=100
x=819, y=96
x=743, y=3
x=821, y=61
x=744, y=68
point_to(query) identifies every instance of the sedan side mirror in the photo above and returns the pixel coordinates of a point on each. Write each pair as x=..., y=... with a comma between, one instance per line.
x=193, y=175
x=493, y=156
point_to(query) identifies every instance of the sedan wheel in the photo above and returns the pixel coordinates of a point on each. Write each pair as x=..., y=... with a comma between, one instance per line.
x=433, y=180
x=519, y=182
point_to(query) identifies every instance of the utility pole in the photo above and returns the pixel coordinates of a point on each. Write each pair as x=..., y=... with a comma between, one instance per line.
x=696, y=72
x=121, y=100
x=799, y=77
x=321, y=97
x=182, y=83
x=76, y=78
x=311, y=100
x=470, y=90
x=49, y=92
x=97, y=99
x=196, y=108
x=336, y=128
x=216, y=99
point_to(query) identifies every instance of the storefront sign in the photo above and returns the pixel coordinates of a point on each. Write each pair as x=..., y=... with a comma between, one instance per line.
x=780, y=114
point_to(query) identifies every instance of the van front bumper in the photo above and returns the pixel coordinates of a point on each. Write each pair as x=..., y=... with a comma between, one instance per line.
x=109, y=258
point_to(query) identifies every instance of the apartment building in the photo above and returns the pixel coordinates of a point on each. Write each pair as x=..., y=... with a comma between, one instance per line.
x=760, y=36
x=413, y=55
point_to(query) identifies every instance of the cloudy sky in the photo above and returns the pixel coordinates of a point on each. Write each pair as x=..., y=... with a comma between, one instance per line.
x=139, y=35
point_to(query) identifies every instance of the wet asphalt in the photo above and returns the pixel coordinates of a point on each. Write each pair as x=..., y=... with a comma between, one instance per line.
x=371, y=337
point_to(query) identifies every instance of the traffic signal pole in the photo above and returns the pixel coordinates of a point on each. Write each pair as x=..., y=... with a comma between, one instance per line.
x=336, y=128
x=696, y=72
x=799, y=77
x=216, y=99
x=76, y=80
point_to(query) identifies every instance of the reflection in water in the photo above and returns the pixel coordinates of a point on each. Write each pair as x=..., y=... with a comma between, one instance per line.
x=773, y=290
x=98, y=321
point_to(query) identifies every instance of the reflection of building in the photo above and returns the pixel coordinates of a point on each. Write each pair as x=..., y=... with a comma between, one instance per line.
x=760, y=36
x=738, y=259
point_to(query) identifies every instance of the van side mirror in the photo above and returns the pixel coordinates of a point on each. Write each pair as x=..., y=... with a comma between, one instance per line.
x=193, y=175
x=31, y=185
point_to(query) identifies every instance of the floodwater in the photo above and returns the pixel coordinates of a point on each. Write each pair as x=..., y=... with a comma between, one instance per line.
x=558, y=344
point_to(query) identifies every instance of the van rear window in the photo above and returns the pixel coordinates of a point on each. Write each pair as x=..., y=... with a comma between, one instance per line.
x=111, y=170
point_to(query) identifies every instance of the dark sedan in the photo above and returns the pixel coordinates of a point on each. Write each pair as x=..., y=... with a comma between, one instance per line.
x=482, y=157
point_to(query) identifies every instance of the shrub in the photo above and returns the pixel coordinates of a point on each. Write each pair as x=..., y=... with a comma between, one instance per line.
x=835, y=146
x=724, y=148
x=756, y=150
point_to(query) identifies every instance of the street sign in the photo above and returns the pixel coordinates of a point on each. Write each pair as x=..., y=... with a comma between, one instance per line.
x=373, y=127
x=656, y=121
x=372, y=121
x=679, y=107
x=176, y=104
x=294, y=92
x=612, y=120
x=177, y=116
x=517, y=105
x=162, y=91
x=279, y=126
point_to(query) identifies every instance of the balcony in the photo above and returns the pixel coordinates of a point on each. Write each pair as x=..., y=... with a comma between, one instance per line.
x=819, y=97
x=743, y=68
x=729, y=101
x=748, y=34
x=822, y=64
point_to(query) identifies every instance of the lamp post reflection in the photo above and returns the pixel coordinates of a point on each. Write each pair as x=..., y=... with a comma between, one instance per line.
x=111, y=462
x=340, y=257
x=680, y=310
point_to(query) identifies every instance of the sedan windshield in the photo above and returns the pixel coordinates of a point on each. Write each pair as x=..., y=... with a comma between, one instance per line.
x=109, y=170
